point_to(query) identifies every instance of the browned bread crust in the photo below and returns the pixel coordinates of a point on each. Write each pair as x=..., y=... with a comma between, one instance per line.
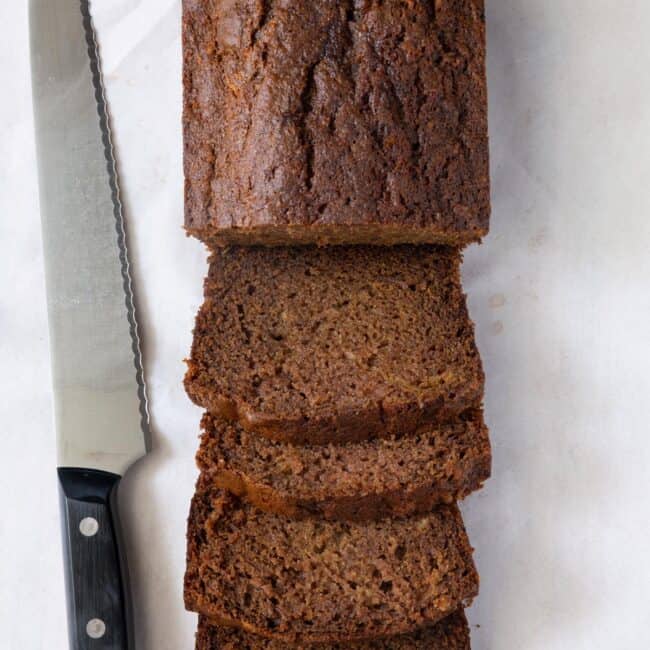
x=452, y=633
x=328, y=121
x=358, y=481
x=322, y=345
x=316, y=581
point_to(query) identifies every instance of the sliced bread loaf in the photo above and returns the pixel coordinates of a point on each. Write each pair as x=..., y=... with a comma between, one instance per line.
x=452, y=633
x=355, y=481
x=316, y=345
x=312, y=580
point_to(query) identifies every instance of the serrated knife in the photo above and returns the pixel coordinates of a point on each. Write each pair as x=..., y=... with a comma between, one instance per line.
x=99, y=396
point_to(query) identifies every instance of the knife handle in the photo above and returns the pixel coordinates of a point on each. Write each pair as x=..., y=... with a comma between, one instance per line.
x=99, y=616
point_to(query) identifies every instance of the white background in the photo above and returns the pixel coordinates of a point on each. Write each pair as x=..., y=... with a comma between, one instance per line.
x=559, y=292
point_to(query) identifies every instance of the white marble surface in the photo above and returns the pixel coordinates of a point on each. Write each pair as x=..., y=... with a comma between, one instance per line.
x=559, y=292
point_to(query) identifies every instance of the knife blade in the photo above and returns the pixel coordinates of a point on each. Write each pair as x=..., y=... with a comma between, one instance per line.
x=100, y=405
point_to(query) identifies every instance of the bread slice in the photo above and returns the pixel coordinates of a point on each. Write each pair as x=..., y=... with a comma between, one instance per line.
x=335, y=122
x=318, y=581
x=317, y=345
x=356, y=481
x=452, y=633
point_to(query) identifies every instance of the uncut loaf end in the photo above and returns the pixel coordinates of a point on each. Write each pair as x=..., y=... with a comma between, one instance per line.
x=335, y=122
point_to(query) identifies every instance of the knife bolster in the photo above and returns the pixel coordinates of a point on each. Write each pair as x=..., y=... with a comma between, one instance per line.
x=89, y=485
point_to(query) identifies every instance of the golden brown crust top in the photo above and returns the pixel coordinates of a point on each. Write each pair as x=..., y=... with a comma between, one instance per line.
x=335, y=122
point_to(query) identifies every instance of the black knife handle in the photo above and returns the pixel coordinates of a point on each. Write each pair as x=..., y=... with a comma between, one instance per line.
x=99, y=616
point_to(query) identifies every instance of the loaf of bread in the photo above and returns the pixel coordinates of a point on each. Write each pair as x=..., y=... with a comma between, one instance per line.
x=356, y=481
x=452, y=633
x=329, y=121
x=321, y=345
x=316, y=581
